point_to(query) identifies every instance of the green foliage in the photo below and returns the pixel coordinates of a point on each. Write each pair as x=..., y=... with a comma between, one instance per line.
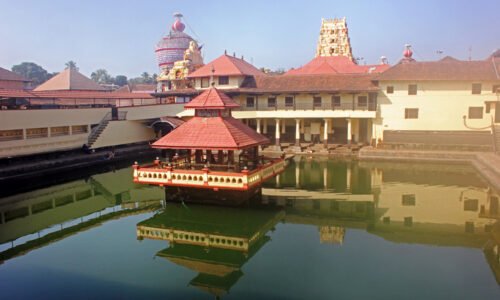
x=71, y=65
x=33, y=72
x=120, y=80
x=101, y=76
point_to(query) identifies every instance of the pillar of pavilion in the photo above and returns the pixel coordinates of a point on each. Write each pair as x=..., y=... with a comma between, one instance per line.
x=212, y=135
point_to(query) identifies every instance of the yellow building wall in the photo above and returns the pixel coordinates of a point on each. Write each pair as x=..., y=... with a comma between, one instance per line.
x=234, y=82
x=433, y=205
x=441, y=105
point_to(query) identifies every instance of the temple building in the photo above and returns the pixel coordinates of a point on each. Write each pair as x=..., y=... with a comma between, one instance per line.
x=178, y=55
x=333, y=101
x=334, y=38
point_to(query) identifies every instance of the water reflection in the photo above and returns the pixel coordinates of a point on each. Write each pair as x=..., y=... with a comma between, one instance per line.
x=424, y=204
x=213, y=241
x=37, y=218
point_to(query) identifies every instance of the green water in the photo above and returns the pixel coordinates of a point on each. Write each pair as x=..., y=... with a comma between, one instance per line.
x=324, y=229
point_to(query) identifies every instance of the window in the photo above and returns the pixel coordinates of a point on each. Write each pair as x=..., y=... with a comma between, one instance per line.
x=476, y=89
x=496, y=88
x=336, y=101
x=250, y=101
x=412, y=89
x=411, y=113
x=205, y=82
x=469, y=227
x=362, y=101
x=476, y=112
x=288, y=101
x=271, y=102
x=317, y=101
x=408, y=200
x=390, y=89
x=471, y=205
x=223, y=80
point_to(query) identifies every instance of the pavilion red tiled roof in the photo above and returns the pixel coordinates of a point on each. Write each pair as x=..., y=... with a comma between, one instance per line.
x=226, y=65
x=211, y=133
x=216, y=132
x=336, y=65
x=212, y=99
x=11, y=76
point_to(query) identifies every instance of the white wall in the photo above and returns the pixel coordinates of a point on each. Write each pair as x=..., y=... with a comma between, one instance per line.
x=124, y=132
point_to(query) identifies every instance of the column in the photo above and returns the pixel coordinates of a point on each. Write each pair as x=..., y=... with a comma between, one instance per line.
x=258, y=125
x=297, y=132
x=325, y=132
x=220, y=157
x=374, y=134
x=325, y=176
x=349, y=131
x=265, y=127
x=283, y=126
x=297, y=173
x=277, y=133
x=24, y=133
x=348, y=178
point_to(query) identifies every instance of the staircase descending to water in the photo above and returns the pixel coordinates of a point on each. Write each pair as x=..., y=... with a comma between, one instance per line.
x=97, y=131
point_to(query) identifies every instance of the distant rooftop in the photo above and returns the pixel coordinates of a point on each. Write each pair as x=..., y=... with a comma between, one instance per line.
x=70, y=80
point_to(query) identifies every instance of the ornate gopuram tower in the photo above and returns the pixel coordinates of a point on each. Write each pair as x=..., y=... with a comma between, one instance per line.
x=334, y=38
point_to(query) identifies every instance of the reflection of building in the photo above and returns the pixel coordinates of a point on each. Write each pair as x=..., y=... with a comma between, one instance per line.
x=71, y=207
x=214, y=241
x=331, y=234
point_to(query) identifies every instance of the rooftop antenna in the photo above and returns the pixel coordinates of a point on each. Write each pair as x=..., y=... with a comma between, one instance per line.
x=439, y=53
x=470, y=53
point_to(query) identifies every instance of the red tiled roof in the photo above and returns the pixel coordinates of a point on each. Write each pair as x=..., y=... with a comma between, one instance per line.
x=69, y=80
x=71, y=94
x=11, y=76
x=211, y=133
x=137, y=88
x=336, y=65
x=445, y=69
x=212, y=98
x=226, y=65
x=312, y=83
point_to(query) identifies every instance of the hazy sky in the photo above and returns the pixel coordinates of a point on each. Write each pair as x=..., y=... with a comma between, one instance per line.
x=120, y=35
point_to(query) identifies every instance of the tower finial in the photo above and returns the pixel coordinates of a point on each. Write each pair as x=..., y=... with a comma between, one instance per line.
x=212, y=81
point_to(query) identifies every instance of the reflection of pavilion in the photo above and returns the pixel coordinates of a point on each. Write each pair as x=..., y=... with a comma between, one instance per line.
x=213, y=241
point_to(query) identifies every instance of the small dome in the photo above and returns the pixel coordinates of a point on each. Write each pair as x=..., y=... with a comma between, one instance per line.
x=407, y=53
x=178, y=26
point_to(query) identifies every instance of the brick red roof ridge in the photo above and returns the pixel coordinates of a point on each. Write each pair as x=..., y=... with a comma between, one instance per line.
x=226, y=65
x=212, y=98
x=442, y=70
x=72, y=94
x=335, y=65
x=11, y=76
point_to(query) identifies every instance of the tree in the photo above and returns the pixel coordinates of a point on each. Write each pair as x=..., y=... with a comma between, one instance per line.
x=121, y=80
x=32, y=71
x=71, y=65
x=146, y=78
x=101, y=76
